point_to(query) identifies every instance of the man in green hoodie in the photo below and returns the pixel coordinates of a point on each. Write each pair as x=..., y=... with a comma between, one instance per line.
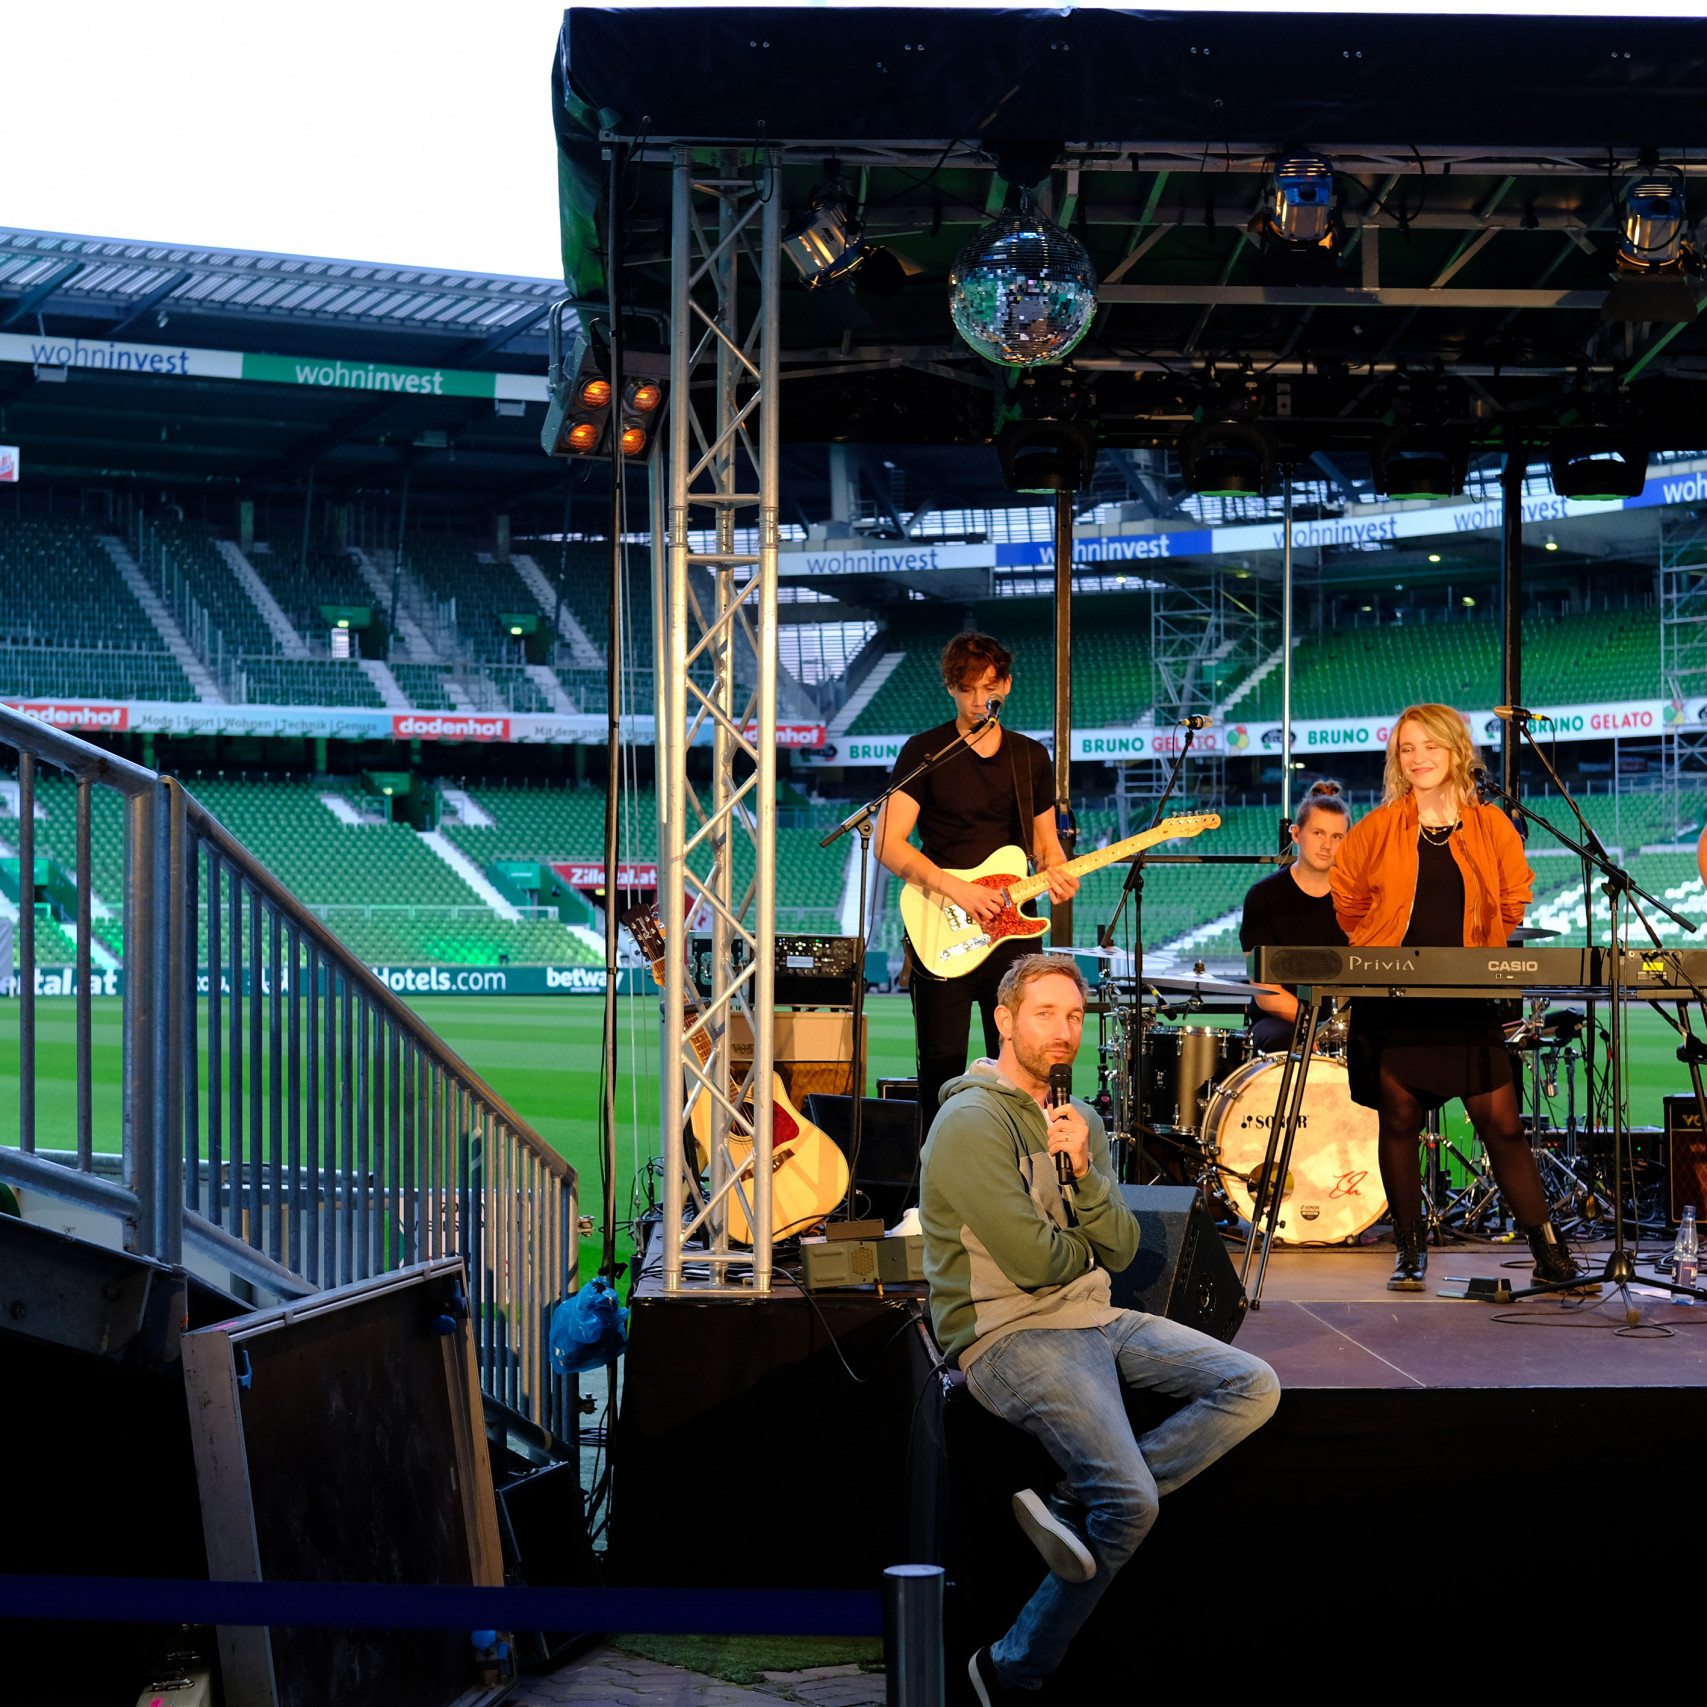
x=1018, y=1265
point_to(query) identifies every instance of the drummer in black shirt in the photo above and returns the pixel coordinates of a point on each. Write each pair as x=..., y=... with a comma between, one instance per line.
x=995, y=792
x=1295, y=908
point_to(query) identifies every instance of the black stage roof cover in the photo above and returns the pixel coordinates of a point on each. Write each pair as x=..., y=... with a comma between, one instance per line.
x=1480, y=163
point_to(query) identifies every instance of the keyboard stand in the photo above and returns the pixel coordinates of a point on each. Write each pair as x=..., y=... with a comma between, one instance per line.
x=1269, y=1190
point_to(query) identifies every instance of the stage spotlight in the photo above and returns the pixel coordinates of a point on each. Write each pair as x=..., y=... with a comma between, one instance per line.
x=1656, y=262
x=823, y=242
x=582, y=417
x=1655, y=221
x=1599, y=469
x=1047, y=456
x=1305, y=200
x=1226, y=459
x=1413, y=463
x=1023, y=291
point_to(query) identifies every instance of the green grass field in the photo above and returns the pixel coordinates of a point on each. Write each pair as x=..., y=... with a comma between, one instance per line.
x=542, y=1055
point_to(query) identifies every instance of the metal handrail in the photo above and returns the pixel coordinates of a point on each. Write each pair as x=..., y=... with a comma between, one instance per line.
x=338, y=1136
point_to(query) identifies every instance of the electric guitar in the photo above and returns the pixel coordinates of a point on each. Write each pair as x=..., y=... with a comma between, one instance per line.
x=809, y=1173
x=948, y=942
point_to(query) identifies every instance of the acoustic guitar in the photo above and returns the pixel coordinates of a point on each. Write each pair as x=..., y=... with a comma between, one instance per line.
x=809, y=1173
x=949, y=942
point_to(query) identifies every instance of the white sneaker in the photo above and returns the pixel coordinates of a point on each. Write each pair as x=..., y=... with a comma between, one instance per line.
x=1063, y=1549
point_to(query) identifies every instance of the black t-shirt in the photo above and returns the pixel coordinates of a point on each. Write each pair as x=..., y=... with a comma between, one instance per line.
x=969, y=806
x=1278, y=914
x=1437, y=909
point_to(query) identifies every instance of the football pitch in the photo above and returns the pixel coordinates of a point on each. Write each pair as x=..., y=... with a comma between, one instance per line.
x=541, y=1054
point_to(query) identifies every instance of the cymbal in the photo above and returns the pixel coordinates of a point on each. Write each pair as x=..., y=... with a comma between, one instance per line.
x=1200, y=987
x=1529, y=933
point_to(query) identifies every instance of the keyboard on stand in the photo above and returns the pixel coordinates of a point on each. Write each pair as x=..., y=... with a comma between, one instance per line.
x=1441, y=972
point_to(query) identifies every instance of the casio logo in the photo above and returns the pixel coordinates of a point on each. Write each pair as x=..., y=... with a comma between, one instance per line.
x=1514, y=965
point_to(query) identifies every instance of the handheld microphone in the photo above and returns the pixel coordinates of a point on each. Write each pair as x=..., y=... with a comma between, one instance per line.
x=1194, y=722
x=1514, y=714
x=1060, y=1094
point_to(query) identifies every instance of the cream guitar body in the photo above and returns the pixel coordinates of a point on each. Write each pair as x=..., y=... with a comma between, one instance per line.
x=809, y=1173
x=948, y=942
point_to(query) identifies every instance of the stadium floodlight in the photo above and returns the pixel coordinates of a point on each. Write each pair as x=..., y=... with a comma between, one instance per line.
x=1305, y=199
x=1228, y=459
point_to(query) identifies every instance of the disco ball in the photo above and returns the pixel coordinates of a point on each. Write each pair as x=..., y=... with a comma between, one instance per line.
x=1022, y=292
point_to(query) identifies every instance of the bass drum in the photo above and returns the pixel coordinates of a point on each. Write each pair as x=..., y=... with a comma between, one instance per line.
x=1333, y=1187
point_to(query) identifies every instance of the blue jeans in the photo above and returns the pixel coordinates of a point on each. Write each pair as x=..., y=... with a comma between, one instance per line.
x=1063, y=1386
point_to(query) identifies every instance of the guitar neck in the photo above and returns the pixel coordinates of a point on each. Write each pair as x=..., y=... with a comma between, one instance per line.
x=1094, y=861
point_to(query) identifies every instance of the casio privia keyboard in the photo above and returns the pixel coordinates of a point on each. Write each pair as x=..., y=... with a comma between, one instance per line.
x=1644, y=975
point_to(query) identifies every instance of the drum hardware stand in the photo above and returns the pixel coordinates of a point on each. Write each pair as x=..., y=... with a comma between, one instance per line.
x=1620, y=1270
x=862, y=820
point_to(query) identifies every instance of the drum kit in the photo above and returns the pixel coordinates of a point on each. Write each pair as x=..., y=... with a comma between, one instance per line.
x=1193, y=1102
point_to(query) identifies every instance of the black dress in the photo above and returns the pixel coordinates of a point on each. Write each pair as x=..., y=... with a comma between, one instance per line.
x=1438, y=1049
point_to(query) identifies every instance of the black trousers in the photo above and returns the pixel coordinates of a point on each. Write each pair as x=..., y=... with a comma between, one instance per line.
x=942, y=1019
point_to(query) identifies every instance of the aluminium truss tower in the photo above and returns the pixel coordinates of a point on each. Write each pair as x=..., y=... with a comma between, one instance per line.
x=717, y=840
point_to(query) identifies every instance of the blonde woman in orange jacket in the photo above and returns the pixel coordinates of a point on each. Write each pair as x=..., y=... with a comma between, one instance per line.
x=1430, y=867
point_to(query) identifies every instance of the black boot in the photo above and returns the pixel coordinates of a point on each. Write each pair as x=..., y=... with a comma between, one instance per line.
x=1554, y=1261
x=1410, y=1262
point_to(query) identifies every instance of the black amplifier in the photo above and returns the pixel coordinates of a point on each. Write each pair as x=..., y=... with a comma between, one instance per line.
x=811, y=971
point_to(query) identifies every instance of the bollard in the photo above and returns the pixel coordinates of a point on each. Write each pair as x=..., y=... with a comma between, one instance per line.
x=912, y=1635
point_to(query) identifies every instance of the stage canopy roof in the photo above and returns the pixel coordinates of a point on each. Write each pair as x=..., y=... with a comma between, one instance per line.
x=1480, y=165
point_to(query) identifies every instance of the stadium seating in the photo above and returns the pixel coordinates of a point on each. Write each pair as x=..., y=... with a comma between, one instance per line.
x=425, y=685
x=69, y=626
x=451, y=568
x=1113, y=682
x=1357, y=672
x=328, y=577
x=307, y=681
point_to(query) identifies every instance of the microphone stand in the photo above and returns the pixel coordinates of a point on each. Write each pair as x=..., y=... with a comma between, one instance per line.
x=1134, y=886
x=861, y=820
x=1620, y=1270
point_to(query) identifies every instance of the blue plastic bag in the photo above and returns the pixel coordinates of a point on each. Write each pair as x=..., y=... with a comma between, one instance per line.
x=588, y=1329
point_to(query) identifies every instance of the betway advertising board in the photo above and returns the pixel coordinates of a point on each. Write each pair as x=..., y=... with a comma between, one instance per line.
x=1624, y=718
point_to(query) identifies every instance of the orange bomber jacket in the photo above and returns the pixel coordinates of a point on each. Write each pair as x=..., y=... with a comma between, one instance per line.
x=1375, y=876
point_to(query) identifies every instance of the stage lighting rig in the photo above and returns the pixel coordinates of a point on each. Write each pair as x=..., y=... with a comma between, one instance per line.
x=1597, y=467
x=584, y=417
x=823, y=242
x=1228, y=459
x=1046, y=438
x=1304, y=207
x=1656, y=262
x=1420, y=462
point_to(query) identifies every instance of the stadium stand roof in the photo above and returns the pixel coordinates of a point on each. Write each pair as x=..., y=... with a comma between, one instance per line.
x=140, y=366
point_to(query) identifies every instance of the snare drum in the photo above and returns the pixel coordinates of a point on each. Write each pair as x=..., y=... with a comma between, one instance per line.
x=1333, y=1187
x=1185, y=1064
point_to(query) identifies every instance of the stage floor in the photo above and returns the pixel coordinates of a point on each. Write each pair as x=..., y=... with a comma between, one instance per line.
x=1328, y=1322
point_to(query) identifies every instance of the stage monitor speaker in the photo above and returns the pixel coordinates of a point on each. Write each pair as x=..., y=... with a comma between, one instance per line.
x=1686, y=1161
x=1182, y=1270
x=886, y=1171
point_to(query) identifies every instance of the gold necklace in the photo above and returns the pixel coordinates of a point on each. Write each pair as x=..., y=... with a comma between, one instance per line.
x=1436, y=835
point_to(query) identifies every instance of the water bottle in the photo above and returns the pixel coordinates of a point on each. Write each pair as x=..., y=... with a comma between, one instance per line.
x=1683, y=1253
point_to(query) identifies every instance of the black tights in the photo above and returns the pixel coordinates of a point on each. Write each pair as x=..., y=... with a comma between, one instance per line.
x=1495, y=1117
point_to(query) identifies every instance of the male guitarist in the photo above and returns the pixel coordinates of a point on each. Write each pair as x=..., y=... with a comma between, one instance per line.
x=995, y=792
